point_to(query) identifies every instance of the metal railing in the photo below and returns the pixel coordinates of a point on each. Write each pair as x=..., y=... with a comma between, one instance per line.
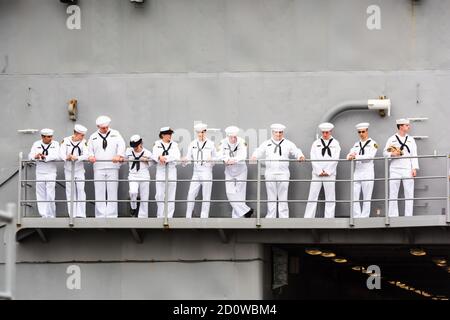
x=8, y=217
x=25, y=202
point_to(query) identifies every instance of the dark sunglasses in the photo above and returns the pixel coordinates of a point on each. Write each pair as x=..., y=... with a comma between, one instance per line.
x=362, y=131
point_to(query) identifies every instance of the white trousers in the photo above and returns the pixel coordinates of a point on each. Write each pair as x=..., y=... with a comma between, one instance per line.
x=236, y=191
x=79, y=208
x=45, y=191
x=330, y=195
x=408, y=188
x=142, y=188
x=194, y=188
x=106, y=190
x=367, y=189
x=160, y=192
x=277, y=191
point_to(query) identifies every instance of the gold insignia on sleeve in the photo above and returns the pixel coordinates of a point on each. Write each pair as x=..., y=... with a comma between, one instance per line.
x=375, y=145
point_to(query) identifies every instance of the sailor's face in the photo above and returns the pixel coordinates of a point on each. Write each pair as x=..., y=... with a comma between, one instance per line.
x=166, y=137
x=138, y=148
x=201, y=135
x=405, y=127
x=363, y=134
x=47, y=139
x=326, y=134
x=232, y=139
x=103, y=129
x=278, y=135
x=78, y=136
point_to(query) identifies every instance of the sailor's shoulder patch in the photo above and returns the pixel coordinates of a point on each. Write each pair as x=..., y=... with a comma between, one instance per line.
x=375, y=145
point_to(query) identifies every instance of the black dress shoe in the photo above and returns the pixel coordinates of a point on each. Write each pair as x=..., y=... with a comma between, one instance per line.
x=249, y=213
x=133, y=212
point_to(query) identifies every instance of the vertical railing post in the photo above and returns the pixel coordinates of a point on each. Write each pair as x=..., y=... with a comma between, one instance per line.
x=166, y=196
x=25, y=190
x=448, y=188
x=258, y=194
x=352, y=176
x=10, y=263
x=19, y=191
x=72, y=191
x=386, y=191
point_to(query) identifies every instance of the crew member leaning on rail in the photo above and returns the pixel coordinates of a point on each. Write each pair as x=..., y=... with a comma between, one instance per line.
x=139, y=175
x=45, y=152
x=108, y=145
x=74, y=149
x=402, y=170
x=277, y=148
x=326, y=147
x=166, y=154
x=363, y=149
x=233, y=152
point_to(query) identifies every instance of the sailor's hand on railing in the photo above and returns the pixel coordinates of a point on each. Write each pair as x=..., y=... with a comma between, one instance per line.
x=145, y=159
x=184, y=161
x=351, y=156
x=39, y=156
x=302, y=158
x=117, y=159
x=414, y=173
x=230, y=162
x=91, y=159
x=162, y=159
x=253, y=160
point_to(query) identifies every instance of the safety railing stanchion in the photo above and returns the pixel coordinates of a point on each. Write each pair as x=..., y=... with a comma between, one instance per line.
x=352, y=176
x=448, y=189
x=258, y=194
x=166, y=197
x=72, y=192
x=10, y=266
x=19, y=191
x=386, y=191
x=25, y=190
x=10, y=250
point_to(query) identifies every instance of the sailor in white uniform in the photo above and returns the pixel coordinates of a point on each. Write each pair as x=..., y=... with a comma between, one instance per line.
x=73, y=150
x=362, y=150
x=202, y=152
x=106, y=144
x=166, y=153
x=45, y=152
x=277, y=148
x=398, y=146
x=233, y=152
x=326, y=147
x=139, y=175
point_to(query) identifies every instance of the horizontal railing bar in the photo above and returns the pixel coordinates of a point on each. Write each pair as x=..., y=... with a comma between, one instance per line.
x=241, y=180
x=227, y=201
x=262, y=160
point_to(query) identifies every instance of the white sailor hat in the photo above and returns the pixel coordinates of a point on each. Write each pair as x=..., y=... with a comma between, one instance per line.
x=326, y=126
x=199, y=127
x=135, y=140
x=103, y=121
x=231, y=131
x=402, y=121
x=277, y=127
x=165, y=130
x=47, y=132
x=362, y=125
x=80, y=129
